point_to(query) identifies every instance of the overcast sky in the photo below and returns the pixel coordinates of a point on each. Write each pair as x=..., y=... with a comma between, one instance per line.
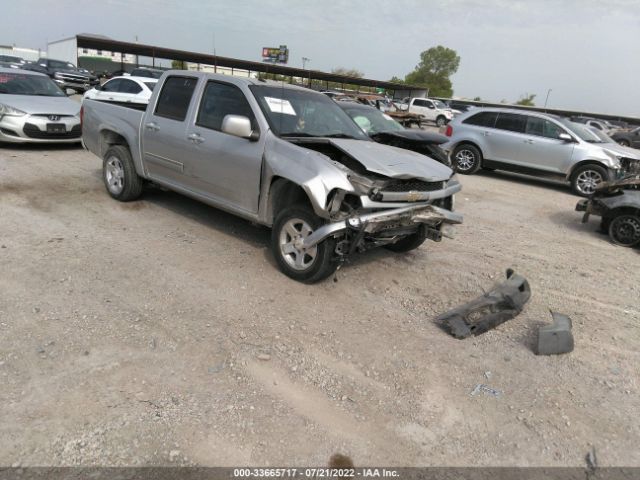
x=586, y=51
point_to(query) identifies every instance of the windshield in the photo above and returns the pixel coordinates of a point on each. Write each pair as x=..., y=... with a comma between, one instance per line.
x=373, y=121
x=440, y=104
x=151, y=85
x=300, y=113
x=24, y=84
x=9, y=58
x=603, y=136
x=61, y=65
x=581, y=130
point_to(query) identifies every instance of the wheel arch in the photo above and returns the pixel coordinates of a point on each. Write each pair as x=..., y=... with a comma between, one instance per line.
x=283, y=192
x=109, y=138
x=584, y=163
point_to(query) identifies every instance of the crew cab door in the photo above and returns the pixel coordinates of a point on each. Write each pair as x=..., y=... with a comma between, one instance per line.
x=222, y=166
x=165, y=146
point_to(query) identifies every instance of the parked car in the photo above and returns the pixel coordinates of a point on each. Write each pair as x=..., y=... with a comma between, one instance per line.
x=279, y=155
x=628, y=139
x=65, y=74
x=146, y=72
x=11, y=61
x=536, y=144
x=598, y=124
x=618, y=204
x=460, y=107
x=382, y=128
x=433, y=110
x=124, y=89
x=34, y=109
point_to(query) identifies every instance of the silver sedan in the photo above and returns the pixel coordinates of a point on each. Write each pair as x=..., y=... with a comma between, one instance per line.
x=33, y=109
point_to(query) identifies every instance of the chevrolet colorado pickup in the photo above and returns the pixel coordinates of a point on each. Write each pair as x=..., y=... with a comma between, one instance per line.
x=279, y=155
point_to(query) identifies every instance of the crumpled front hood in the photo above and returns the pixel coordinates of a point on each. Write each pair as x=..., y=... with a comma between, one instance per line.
x=35, y=104
x=393, y=162
x=413, y=135
x=621, y=150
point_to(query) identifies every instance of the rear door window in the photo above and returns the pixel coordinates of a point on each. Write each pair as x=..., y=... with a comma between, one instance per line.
x=511, y=122
x=129, y=86
x=420, y=103
x=112, y=85
x=175, y=97
x=482, y=119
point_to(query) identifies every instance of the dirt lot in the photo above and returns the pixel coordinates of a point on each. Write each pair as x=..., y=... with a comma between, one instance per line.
x=160, y=332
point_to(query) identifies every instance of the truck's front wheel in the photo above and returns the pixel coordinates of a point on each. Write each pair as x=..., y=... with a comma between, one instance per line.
x=119, y=174
x=308, y=265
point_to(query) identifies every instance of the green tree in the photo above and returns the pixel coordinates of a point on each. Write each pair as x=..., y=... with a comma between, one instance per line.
x=349, y=72
x=527, y=100
x=436, y=65
x=178, y=65
x=395, y=79
x=477, y=99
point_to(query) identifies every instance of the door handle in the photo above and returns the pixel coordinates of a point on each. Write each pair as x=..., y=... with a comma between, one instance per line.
x=486, y=134
x=152, y=126
x=110, y=98
x=196, y=138
x=528, y=140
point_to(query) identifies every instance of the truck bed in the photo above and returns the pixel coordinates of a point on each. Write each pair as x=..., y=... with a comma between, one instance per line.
x=100, y=117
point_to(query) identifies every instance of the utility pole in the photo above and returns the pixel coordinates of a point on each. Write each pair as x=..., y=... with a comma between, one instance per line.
x=547, y=99
x=304, y=64
x=215, y=57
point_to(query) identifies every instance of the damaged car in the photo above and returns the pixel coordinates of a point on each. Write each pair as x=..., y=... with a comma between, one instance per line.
x=382, y=128
x=618, y=204
x=278, y=155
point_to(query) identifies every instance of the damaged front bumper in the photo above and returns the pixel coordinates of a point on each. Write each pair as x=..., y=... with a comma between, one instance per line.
x=375, y=222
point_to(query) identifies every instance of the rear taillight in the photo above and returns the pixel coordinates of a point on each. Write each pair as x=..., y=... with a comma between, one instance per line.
x=449, y=131
x=81, y=114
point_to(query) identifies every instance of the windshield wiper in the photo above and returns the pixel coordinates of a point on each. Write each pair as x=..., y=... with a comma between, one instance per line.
x=297, y=134
x=339, y=135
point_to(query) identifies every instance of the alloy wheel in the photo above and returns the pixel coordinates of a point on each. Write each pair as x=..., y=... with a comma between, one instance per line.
x=114, y=173
x=465, y=159
x=292, y=234
x=588, y=180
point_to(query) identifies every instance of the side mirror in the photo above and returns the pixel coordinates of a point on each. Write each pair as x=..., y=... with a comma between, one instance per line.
x=238, y=126
x=566, y=137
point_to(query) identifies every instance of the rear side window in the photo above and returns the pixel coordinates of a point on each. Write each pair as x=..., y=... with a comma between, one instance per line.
x=420, y=103
x=220, y=100
x=482, y=119
x=129, y=86
x=175, y=97
x=112, y=85
x=512, y=122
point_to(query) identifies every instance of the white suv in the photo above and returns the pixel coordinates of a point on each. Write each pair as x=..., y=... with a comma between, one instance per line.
x=433, y=110
x=536, y=144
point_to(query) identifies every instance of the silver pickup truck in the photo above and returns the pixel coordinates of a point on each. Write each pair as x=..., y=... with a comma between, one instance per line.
x=279, y=155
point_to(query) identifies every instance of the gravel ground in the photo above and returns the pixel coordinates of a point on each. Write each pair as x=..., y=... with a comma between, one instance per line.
x=160, y=332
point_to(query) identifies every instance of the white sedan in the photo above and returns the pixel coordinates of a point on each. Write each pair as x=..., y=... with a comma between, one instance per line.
x=124, y=89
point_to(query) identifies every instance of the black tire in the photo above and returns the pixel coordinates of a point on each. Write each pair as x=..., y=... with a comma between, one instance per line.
x=585, y=178
x=117, y=161
x=624, y=143
x=441, y=121
x=624, y=230
x=408, y=243
x=471, y=162
x=321, y=265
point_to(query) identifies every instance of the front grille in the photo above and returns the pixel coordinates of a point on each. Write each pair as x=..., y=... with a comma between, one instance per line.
x=412, y=185
x=73, y=78
x=32, y=131
x=47, y=115
x=630, y=165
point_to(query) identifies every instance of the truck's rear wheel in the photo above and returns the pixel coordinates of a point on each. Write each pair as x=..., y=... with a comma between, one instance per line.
x=292, y=226
x=119, y=174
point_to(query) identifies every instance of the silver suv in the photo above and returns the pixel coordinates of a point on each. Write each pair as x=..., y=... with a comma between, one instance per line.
x=536, y=144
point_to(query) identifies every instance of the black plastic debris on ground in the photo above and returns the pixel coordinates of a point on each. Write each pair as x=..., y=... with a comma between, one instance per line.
x=556, y=338
x=503, y=302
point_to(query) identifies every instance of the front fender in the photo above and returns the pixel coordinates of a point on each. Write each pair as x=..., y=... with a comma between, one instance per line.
x=314, y=172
